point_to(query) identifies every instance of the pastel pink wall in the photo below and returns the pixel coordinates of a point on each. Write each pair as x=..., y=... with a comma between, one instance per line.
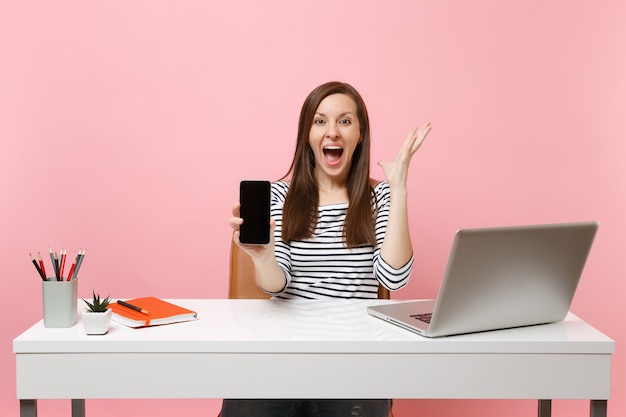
x=125, y=127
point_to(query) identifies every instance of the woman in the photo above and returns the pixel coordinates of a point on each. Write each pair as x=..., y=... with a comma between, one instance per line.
x=336, y=233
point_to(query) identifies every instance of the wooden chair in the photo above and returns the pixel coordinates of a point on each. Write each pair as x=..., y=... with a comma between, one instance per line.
x=241, y=281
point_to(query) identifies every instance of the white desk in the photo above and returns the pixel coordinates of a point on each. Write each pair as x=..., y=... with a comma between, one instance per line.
x=237, y=345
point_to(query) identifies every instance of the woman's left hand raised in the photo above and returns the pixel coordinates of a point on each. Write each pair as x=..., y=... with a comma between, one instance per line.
x=397, y=171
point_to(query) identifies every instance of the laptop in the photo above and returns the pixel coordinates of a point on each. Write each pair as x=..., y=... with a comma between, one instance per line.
x=498, y=278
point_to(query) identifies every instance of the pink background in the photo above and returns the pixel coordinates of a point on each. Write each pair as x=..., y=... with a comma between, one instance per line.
x=125, y=127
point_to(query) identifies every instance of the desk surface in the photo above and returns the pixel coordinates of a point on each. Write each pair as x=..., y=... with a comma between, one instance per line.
x=265, y=340
x=307, y=326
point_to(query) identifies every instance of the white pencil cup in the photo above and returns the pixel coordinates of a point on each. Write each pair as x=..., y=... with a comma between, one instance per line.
x=59, y=302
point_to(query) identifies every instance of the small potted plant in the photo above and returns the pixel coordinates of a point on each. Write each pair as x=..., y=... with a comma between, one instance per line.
x=97, y=316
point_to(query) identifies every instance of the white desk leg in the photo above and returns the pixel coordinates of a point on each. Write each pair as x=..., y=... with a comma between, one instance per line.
x=545, y=408
x=28, y=408
x=598, y=408
x=78, y=408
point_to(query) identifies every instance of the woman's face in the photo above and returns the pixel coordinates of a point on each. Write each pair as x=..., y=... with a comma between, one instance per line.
x=335, y=134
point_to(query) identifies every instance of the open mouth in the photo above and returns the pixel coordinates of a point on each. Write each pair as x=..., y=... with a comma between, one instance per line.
x=333, y=153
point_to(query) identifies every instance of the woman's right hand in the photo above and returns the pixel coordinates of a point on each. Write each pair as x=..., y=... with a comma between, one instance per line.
x=256, y=252
x=268, y=275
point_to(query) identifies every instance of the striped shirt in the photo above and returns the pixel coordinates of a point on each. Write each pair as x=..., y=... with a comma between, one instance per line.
x=322, y=266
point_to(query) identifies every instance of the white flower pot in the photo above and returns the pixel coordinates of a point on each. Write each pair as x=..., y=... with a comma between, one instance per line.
x=97, y=323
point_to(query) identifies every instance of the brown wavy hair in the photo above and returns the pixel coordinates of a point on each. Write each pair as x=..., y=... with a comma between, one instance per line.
x=300, y=211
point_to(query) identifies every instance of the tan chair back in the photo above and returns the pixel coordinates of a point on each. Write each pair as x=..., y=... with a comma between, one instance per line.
x=241, y=282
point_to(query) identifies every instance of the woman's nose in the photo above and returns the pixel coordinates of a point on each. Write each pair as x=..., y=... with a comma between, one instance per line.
x=332, y=131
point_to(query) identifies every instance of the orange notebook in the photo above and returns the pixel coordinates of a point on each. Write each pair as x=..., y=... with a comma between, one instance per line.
x=159, y=312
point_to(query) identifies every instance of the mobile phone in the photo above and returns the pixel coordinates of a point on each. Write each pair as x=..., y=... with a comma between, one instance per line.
x=254, y=197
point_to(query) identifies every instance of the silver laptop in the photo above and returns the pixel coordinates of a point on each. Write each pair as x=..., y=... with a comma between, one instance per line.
x=499, y=278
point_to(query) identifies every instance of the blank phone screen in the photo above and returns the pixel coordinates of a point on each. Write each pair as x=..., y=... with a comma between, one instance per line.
x=254, y=197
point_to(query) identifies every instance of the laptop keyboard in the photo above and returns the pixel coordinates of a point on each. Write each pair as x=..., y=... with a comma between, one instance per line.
x=425, y=317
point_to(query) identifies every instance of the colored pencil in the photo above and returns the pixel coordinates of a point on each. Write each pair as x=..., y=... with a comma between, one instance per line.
x=53, y=262
x=79, y=261
x=43, y=268
x=41, y=274
x=63, y=254
x=69, y=275
x=132, y=307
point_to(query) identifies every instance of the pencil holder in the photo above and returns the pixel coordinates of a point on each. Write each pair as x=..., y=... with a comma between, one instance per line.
x=59, y=302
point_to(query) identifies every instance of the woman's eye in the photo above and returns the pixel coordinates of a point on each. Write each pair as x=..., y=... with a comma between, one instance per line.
x=318, y=121
x=345, y=121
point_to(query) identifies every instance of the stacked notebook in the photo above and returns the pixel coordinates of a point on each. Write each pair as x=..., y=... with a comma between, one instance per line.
x=159, y=312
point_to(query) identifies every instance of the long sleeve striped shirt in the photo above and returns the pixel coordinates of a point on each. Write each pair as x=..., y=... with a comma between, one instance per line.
x=322, y=266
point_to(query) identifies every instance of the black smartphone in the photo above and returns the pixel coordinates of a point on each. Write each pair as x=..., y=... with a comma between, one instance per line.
x=254, y=197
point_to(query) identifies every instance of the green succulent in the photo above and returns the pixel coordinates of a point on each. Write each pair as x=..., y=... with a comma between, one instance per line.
x=98, y=305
